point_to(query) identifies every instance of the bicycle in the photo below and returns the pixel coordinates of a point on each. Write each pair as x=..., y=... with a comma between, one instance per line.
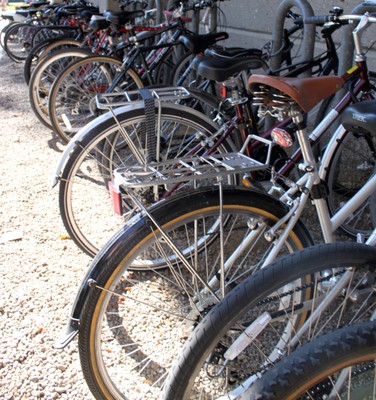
x=18, y=38
x=99, y=40
x=161, y=273
x=145, y=64
x=101, y=147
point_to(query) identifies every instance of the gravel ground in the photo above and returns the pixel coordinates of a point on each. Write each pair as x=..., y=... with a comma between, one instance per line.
x=40, y=269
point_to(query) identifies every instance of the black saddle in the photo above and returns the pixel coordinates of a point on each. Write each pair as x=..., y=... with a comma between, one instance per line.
x=360, y=117
x=123, y=17
x=219, y=69
x=198, y=43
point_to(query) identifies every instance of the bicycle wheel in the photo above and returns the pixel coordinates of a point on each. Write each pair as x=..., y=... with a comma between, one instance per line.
x=17, y=41
x=4, y=31
x=45, y=75
x=340, y=365
x=184, y=74
x=131, y=331
x=44, y=48
x=352, y=165
x=47, y=32
x=72, y=97
x=254, y=326
x=90, y=167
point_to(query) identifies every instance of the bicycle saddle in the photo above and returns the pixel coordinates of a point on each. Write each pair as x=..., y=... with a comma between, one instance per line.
x=123, y=17
x=198, y=43
x=220, y=69
x=360, y=117
x=27, y=12
x=39, y=3
x=306, y=92
x=98, y=23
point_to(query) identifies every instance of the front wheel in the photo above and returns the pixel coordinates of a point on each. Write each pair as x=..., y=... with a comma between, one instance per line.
x=258, y=323
x=150, y=293
x=338, y=365
x=353, y=163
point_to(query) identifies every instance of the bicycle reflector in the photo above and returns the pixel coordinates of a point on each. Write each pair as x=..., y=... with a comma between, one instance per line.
x=223, y=91
x=116, y=198
x=282, y=137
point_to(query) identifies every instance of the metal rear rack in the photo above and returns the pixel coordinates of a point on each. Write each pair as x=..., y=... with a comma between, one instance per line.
x=105, y=101
x=186, y=169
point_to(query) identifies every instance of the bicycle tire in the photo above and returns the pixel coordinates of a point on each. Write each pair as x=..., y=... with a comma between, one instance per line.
x=4, y=31
x=44, y=48
x=171, y=287
x=72, y=96
x=17, y=41
x=312, y=370
x=44, y=76
x=272, y=289
x=104, y=146
x=181, y=68
x=54, y=32
x=353, y=163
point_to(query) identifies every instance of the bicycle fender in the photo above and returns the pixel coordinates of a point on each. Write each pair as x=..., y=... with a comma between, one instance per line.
x=88, y=283
x=81, y=135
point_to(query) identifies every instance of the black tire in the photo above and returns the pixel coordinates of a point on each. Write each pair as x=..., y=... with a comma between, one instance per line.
x=72, y=97
x=44, y=76
x=4, y=31
x=158, y=307
x=53, y=32
x=90, y=168
x=184, y=74
x=353, y=163
x=42, y=50
x=312, y=370
x=281, y=291
x=17, y=41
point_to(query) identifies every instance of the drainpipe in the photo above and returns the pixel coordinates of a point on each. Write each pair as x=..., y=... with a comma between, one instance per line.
x=308, y=44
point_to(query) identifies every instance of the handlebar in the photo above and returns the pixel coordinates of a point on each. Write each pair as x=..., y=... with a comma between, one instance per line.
x=342, y=19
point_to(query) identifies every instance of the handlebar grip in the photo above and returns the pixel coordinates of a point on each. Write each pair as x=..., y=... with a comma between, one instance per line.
x=318, y=20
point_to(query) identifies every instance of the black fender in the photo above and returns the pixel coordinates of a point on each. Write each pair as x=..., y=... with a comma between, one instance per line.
x=87, y=284
x=107, y=252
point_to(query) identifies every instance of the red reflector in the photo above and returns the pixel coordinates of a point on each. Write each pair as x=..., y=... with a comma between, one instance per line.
x=223, y=91
x=116, y=198
x=282, y=137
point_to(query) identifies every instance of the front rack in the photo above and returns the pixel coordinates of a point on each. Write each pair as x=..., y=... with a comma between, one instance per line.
x=186, y=169
x=105, y=101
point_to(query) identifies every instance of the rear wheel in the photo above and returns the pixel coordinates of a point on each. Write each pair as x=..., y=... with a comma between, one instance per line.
x=44, y=77
x=17, y=41
x=131, y=331
x=43, y=49
x=104, y=148
x=72, y=97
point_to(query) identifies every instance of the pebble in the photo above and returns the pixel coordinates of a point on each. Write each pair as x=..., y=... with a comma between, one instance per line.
x=38, y=282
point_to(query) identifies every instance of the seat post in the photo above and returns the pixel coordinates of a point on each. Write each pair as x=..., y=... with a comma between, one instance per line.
x=309, y=161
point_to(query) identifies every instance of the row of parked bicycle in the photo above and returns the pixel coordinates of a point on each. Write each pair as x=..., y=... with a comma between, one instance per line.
x=186, y=172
